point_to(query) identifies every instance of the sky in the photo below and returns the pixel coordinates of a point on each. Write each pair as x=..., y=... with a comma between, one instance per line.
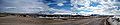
x=102, y=7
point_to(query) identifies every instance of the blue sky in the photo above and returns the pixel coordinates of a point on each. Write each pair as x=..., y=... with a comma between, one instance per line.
x=56, y=6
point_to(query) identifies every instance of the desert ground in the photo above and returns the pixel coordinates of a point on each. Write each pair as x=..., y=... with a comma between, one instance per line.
x=15, y=20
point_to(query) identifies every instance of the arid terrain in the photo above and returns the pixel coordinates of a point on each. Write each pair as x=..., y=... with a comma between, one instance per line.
x=14, y=20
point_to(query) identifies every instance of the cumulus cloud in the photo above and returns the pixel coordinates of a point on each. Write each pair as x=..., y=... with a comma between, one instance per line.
x=25, y=5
